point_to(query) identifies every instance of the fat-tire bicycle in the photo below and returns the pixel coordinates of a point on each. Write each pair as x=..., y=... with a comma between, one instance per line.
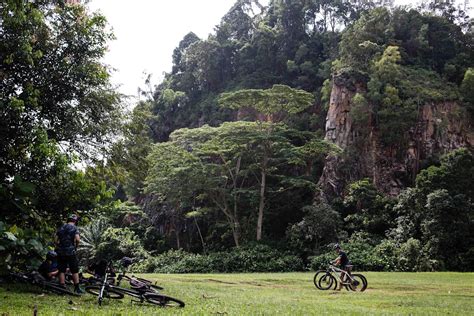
x=143, y=294
x=329, y=278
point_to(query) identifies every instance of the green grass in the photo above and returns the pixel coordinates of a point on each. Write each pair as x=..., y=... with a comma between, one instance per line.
x=268, y=294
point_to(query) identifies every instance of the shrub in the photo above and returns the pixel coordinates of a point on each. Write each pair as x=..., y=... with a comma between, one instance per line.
x=362, y=254
x=255, y=258
x=19, y=248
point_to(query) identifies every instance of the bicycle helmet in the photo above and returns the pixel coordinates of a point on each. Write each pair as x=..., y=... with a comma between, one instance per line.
x=336, y=246
x=51, y=255
x=73, y=218
x=126, y=261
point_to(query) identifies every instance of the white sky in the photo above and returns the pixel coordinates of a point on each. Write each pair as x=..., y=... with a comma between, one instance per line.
x=147, y=31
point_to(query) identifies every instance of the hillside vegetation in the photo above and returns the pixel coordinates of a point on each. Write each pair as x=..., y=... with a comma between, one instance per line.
x=232, y=163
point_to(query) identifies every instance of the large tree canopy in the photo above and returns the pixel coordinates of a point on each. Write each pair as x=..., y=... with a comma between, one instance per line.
x=55, y=91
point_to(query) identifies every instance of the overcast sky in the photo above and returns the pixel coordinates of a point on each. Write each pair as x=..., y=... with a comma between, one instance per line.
x=147, y=31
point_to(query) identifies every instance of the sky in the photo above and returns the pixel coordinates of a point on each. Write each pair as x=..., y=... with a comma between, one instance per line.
x=147, y=31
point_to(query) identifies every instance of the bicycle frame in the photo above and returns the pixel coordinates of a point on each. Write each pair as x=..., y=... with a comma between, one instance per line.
x=335, y=270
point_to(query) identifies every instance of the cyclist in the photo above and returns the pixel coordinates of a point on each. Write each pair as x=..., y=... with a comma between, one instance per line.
x=49, y=268
x=343, y=262
x=67, y=240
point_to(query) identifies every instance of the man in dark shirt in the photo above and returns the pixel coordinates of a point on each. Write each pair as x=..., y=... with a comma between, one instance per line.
x=67, y=239
x=343, y=262
x=49, y=268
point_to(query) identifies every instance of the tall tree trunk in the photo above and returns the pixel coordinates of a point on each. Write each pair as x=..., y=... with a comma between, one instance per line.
x=236, y=233
x=261, y=205
x=236, y=230
x=236, y=224
x=178, y=242
x=200, y=236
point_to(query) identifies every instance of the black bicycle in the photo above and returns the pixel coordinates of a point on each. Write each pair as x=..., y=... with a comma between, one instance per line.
x=34, y=278
x=143, y=294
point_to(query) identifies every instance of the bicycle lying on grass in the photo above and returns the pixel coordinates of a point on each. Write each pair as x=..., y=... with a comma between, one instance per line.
x=329, y=278
x=37, y=280
x=135, y=282
x=141, y=290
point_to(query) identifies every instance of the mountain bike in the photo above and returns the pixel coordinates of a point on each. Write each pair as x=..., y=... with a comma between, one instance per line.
x=135, y=282
x=144, y=293
x=34, y=278
x=329, y=278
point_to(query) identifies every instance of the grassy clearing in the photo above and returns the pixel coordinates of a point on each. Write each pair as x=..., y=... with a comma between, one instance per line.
x=268, y=294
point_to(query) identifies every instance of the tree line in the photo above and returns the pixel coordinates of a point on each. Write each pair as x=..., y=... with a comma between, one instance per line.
x=220, y=161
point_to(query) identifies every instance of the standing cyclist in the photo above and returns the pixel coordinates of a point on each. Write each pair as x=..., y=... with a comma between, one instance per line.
x=67, y=240
x=343, y=262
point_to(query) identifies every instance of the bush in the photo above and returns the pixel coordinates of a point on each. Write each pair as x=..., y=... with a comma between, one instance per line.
x=119, y=242
x=362, y=254
x=19, y=248
x=256, y=258
x=409, y=255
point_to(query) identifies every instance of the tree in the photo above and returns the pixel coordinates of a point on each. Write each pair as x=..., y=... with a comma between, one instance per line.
x=318, y=228
x=55, y=91
x=128, y=156
x=438, y=212
x=274, y=104
x=467, y=89
x=369, y=210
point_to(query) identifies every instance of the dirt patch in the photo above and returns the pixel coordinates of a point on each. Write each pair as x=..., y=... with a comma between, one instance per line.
x=219, y=281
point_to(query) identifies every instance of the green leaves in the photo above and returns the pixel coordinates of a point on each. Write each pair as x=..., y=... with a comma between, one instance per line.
x=277, y=100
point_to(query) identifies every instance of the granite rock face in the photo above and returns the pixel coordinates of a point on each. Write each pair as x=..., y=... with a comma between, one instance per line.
x=440, y=128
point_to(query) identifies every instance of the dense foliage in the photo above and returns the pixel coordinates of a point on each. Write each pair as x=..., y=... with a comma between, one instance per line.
x=56, y=106
x=217, y=169
x=209, y=186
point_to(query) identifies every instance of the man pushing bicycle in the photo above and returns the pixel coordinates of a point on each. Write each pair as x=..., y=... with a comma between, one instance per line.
x=343, y=262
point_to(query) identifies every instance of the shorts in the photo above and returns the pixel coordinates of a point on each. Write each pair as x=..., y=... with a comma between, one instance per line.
x=70, y=262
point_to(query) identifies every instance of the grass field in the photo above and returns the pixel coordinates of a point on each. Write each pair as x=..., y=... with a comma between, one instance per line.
x=268, y=294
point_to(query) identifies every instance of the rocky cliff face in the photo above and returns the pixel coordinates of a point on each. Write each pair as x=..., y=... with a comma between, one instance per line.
x=440, y=128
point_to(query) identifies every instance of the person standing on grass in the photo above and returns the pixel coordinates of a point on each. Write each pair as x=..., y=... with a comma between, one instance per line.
x=343, y=262
x=67, y=240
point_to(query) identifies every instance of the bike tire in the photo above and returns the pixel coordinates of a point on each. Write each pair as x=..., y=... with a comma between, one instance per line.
x=316, y=277
x=359, y=284
x=148, y=282
x=108, y=293
x=58, y=289
x=20, y=277
x=163, y=300
x=156, y=287
x=326, y=282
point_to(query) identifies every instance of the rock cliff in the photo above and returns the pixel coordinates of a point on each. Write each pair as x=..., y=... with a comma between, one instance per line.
x=440, y=128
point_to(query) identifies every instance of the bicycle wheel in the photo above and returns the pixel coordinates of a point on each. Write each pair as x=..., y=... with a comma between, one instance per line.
x=156, y=287
x=359, y=283
x=20, y=277
x=108, y=293
x=318, y=275
x=58, y=289
x=142, y=280
x=326, y=282
x=163, y=300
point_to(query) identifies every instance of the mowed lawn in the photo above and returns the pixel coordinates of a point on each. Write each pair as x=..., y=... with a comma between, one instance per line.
x=267, y=294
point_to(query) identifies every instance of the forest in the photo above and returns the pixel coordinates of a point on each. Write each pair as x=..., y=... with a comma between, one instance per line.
x=293, y=126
